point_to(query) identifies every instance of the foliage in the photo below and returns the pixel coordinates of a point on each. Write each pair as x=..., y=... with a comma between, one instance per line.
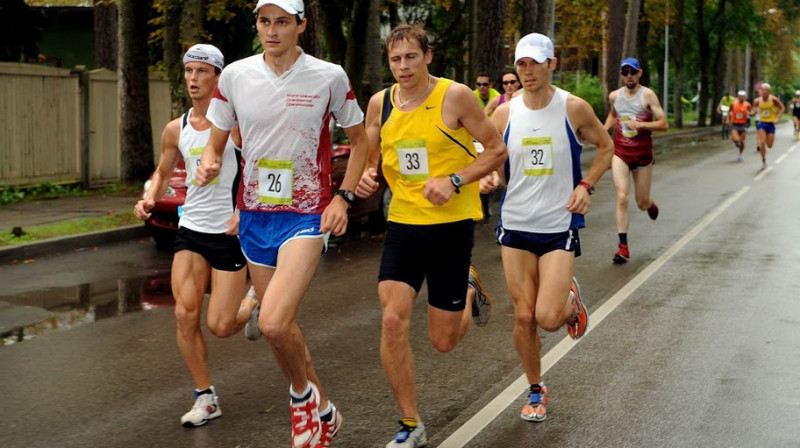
x=41, y=191
x=20, y=29
x=589, y=88
x=73, y=227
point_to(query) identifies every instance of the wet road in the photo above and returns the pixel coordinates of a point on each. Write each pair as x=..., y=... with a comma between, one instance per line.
x=695, y=342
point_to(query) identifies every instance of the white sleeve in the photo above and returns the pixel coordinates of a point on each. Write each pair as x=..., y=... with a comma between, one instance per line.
x=343, y=101
x=221, y=112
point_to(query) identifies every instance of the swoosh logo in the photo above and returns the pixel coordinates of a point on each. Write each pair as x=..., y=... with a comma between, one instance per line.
x=536, y=129
x=429, y=107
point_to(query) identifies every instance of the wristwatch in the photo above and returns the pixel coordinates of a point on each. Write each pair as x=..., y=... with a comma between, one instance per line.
x=347, y=195
x=589, y=187
x=457, y=181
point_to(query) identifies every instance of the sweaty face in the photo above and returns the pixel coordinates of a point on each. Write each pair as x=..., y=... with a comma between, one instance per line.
x=409, y=65
x=200, y=80
x=278, y=30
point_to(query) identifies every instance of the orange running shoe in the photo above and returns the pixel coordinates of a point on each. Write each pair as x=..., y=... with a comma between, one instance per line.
x=579, y=320
x=534, y=410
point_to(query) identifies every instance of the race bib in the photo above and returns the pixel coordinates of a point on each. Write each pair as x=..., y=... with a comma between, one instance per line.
x=412, y=156
x=275, y=181
x=766, y=113
x=739, y=116
x=626, y=130
x=537, y=156
x=194, y=161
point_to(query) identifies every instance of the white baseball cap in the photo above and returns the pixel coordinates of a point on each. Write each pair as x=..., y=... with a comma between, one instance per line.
x=293, y=7
x=741, y=93
x=535, y=46
x=205, y=53
x=797, y=92
x=765, y=85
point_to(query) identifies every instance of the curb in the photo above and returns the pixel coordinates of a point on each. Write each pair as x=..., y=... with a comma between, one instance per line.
x=68, y=243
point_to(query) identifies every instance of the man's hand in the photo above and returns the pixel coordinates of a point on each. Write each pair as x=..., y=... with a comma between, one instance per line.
x=579, y=201
x=489, y=183
x=143, y=207
x=334, y=218
x=438, y=190
x=367, y=185
x=232, y=224
x=206, y=172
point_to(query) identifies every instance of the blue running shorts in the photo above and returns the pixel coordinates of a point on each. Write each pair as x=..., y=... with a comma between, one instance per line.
x=769, y=128
x=540, y=243
x=262, y=234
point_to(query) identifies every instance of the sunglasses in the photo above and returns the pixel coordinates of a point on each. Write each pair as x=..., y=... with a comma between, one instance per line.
x=481, y=84
x=628, y=71
x=513, y=81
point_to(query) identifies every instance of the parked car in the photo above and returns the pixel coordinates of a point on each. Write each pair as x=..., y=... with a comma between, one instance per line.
x=163, y=221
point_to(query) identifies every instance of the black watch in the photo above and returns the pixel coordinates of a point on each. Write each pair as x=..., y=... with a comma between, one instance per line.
x=457, y=181
x=347, y=195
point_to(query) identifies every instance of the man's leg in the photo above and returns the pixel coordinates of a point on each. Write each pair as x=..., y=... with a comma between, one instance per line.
x=770, y=139
x=621, y=174
x=227, y=312
x=762, y=141
x=397, y=300
x=190, y=273
x=642, y=181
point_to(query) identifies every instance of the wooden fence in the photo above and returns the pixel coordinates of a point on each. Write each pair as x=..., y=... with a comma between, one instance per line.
x=53, y=129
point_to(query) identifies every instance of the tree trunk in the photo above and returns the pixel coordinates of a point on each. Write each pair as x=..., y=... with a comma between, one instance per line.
x=374, y=47
x=677, y=54
x=612, y=50
x=490, y=47
x=173, y=56
x=641, y=42
x=542, y=24
x=136, y=139
x=631, y=28
x=719, y=62
x=331, y=20
x=534, y=17
x=309, y=40
x=105, y=34
x=473, y=41
x=705, y=56
x=356, y=48
x=192, y=22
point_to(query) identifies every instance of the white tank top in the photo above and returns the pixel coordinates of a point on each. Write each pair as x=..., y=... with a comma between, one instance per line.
x=542, y=169
x=208, y=208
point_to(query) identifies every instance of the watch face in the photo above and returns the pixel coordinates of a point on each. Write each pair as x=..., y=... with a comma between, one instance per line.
x=456, y=179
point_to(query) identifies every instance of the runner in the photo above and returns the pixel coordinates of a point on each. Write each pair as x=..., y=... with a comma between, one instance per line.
x=206, y=247
x=769, y=109
x=511, y=84
x=739, y=114
x=544, y=206
x=282, y=100
x=424, y=127
x=794, y=105
x=723, y=108
x=484, y=89
x=635, y=114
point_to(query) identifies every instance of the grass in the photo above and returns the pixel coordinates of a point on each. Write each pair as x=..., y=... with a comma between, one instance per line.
x=12, y=194
x=72, y=227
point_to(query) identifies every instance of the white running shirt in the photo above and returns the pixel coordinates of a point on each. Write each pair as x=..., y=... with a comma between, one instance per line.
x=286, y=141
x=543, y=168
x=208, y=208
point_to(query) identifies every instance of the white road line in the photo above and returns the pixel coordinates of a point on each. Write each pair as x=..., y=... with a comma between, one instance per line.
x=513, y=392
x=762, y=173
x=780, y=159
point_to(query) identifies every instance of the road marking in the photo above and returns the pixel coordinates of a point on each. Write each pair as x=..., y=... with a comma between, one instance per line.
x=780, y=159
x=511, y=394
x=762, y=173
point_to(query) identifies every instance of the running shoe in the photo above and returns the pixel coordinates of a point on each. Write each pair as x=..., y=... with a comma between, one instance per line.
x=652, y=212
x=622, y=255
x=409, y=436
x=329, y=429
x=251, y=330
x=306, y=427
x=482, y=303
x=739, y=159
x=534, y=410
x=205, y=408
x=579, y=320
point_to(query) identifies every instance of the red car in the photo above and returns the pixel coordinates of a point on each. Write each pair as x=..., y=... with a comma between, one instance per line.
x=163, y=221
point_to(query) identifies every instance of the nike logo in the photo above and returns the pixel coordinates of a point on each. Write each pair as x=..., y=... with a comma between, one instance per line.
x=536, y=129
x=456, y=302
x=429, y=107
x=238, y=265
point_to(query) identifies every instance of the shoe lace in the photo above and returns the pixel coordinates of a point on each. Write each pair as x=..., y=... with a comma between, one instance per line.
x=301, y=416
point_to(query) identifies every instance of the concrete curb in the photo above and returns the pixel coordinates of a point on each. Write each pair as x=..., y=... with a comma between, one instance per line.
x=72, y=242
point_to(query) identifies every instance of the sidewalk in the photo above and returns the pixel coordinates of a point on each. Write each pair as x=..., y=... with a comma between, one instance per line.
x=46, y=211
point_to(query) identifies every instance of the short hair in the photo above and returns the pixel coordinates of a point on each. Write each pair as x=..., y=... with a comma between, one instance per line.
x=412, y=32
x=510, y=72
x=483, y=75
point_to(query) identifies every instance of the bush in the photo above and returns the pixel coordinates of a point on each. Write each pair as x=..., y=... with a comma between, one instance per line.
x=589, y=89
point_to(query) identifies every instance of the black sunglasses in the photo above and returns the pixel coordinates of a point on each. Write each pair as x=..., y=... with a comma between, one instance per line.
x=628, y=71
x=513, y=81
x=481, y=84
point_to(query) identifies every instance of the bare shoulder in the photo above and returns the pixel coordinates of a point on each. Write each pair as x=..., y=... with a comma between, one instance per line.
x=613, y=95
x=458, y=91
x=172, y=131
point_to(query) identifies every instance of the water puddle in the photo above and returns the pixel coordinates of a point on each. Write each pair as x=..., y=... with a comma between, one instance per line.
x=30, y=314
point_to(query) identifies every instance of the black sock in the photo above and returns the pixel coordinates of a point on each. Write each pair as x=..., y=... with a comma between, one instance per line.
x=623, y=238
x=202, y=392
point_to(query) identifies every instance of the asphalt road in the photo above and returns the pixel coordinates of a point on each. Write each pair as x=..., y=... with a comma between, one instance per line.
x=693, y=343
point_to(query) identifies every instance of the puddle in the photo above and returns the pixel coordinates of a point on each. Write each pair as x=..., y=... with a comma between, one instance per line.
x=30, y=314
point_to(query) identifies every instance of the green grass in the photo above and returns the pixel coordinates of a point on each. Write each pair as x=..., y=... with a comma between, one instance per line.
x=73, y=227
x=12, y=194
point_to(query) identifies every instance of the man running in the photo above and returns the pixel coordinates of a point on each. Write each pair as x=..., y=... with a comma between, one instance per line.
x=424, y=126
x=282, y=100
x=484, y=89
x=206, y=247
x=794, y=105
x=544, y=206
x=769, y=110
x=723, y=108
x=739, y=114
x=635, y=113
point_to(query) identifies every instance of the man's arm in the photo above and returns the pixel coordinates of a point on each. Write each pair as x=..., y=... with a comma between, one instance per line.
x=368, y=185
x=211, y=160
x=659, y=122
x=589, y=128
x=170, y=154
x=611, y=119
x=754, y=108
x=781, y=107
x=334, y=218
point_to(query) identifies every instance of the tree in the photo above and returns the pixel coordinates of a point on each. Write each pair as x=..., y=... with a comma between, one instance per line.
x=705, y=61
x=491, y=44
x=677, y=57
x=173, y=55
x=105, y=34
x=534, y=17
x=136, y=139
x=631, y=29
x=612, y=46
x=309, y=40
x=20, y=29
x=374, y=47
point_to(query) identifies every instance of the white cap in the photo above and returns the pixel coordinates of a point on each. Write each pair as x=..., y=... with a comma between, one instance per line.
x=205, y=53
x=797, y=92
x=293, y=7
x=765, y=85
x=741, y=93
x=535, y=46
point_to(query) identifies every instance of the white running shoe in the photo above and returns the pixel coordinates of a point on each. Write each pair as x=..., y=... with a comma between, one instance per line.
x=306, y=426
x=205, y=408
x=329, y=429
x=251, y=330
x=409, y=437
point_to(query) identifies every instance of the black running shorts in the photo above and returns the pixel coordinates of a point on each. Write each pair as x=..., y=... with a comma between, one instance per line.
x=440, y=253
x=220, y=250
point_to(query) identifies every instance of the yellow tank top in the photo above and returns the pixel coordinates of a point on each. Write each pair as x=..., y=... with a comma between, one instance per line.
x=767, y=112
x=416, y=145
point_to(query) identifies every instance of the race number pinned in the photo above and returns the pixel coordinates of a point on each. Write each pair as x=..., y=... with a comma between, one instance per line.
x=194, y=161
x=412, y=156
x=537, y=156
x=275, y=181
x=626, y=130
